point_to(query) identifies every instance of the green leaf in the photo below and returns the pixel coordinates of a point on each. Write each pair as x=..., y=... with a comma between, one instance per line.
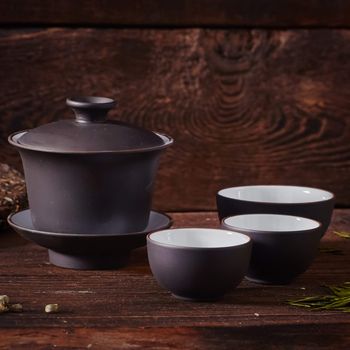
x=338, y=299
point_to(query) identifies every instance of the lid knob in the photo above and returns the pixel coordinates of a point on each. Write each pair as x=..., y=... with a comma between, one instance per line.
x=90, y=109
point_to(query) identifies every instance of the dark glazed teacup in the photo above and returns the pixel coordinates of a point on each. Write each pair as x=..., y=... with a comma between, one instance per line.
x=308, y=202
x=198, y=264
x=283, y=246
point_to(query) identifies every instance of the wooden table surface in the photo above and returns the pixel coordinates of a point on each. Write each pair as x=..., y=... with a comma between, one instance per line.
x=126, y=308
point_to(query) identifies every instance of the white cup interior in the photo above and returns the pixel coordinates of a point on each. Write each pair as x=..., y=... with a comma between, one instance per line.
x=277, y=194
x=271, y=223
x=165, y=138
x=199, y=238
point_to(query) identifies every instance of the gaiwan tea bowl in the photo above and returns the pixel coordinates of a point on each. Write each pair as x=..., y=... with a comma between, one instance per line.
x=90, y=174
x=308, y=202
x=283, y=246
x=196, y=263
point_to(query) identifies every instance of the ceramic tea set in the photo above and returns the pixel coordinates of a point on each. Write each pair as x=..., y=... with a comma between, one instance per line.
x=255, y=242
x=90, y=184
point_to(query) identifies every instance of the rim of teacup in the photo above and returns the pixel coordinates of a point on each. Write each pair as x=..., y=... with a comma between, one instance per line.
x=330, y=195
x=236, y=228
x=246, y=240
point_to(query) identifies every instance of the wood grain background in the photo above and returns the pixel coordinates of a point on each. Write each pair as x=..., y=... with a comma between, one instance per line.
x=245, y=105
x=179, y=13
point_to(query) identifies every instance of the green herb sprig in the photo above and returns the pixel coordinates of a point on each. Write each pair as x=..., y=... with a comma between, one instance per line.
x=343, y=234
x=338, y=299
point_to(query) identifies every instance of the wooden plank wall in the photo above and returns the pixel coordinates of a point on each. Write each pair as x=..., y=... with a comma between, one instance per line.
x=252, y=94
x=188, y=13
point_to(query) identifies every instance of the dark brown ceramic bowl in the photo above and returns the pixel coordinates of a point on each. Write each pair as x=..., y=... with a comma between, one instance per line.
x=305, y=202
x=283, y=246
x=196, y=263
x=90, y=174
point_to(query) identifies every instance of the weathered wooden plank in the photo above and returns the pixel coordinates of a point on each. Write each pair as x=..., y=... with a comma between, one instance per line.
x=130, y=297
x=310, y=337
x=269, y=13
x=244, y=106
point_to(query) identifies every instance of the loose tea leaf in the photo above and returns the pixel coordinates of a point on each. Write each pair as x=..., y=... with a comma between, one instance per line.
x=337, y=299
x=5, y=305
x=3, y=308
x=12, y=192
x=343, y=234
x=4, y=299
x=51, y=308
x=16, y=308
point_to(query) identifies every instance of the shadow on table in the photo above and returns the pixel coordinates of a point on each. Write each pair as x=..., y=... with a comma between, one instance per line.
x=287, y=336
x=9, y=238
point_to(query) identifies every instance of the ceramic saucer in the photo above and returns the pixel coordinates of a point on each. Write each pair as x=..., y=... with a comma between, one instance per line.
x=87, y=251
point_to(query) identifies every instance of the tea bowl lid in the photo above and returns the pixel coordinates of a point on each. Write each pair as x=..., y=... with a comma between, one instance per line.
x=89, y=132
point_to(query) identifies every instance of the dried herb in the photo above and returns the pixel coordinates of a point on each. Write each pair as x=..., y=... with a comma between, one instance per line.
x=3, y=308
x=4, y=299
x=51, y=308
x=12, y=192
x=343, y=234
x=5, y=305
x=16, y=308
x=338, y=298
